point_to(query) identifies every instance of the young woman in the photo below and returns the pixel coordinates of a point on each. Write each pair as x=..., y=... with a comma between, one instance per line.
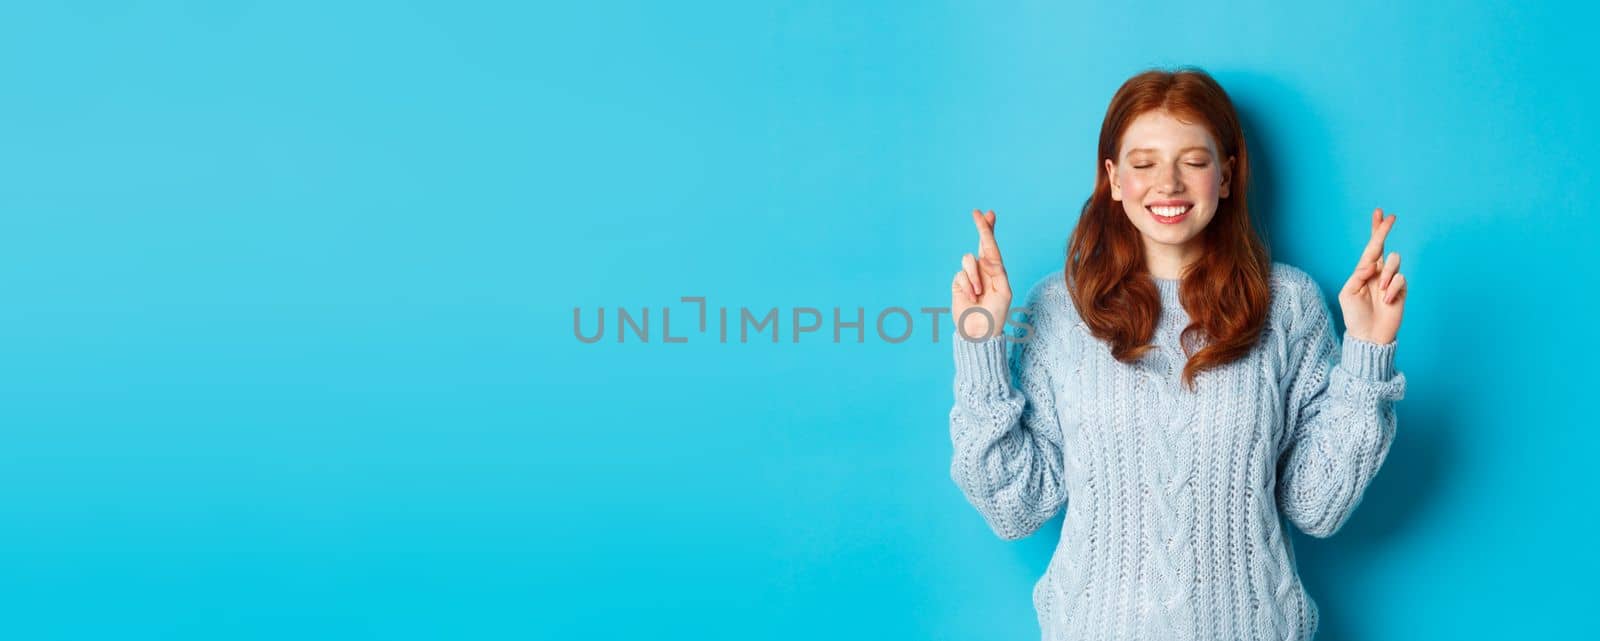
x=1178, y=390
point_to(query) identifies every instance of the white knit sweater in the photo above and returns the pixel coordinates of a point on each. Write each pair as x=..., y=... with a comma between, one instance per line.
x=1175, y=500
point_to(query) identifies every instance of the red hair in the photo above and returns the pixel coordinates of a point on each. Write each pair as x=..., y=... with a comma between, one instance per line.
x=1226, y=292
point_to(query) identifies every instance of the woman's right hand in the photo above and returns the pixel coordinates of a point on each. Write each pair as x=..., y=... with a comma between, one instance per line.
x=981, y=283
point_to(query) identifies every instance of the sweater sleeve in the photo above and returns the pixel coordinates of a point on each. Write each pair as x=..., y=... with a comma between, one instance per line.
x=1341, y=420
x=1007, y=438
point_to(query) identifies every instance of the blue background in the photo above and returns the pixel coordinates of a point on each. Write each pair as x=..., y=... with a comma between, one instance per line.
x=288, y=335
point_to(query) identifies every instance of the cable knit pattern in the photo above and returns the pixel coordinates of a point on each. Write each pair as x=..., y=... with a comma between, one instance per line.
x=1176, y=500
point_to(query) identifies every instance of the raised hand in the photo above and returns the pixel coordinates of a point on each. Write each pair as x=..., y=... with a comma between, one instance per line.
x=981, y=283
x=1375, y=296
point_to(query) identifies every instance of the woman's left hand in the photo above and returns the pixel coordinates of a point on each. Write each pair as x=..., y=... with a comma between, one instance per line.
x=1375, y=296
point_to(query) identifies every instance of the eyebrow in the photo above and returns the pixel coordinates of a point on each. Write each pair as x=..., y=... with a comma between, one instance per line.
x=1134, y=151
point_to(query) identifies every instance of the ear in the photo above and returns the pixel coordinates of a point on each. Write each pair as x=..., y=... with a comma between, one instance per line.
x=1227, y=178
x=1111, y=174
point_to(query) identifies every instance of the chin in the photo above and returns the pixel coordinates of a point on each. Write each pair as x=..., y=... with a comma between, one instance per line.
x=1174, y=237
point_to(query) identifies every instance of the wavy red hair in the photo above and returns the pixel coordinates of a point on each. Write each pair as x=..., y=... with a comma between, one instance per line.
x=1226, y=292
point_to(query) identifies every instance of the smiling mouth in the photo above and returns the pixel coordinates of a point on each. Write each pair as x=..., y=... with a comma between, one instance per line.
x=1170, y=214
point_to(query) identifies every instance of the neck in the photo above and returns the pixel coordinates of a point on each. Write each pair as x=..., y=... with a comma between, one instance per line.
x=1169, y=261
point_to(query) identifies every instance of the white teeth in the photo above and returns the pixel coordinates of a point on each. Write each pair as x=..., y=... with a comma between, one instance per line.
x=1169, y=211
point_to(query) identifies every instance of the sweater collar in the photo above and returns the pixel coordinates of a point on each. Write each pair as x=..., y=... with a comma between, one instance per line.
x=1168, y=287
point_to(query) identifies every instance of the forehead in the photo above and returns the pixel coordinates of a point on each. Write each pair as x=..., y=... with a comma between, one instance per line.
x=1163, y=132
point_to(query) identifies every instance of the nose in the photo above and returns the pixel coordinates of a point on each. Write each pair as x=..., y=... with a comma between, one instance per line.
x=1170, y=180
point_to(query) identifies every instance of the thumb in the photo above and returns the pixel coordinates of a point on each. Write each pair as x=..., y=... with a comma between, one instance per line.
x=1358, y=279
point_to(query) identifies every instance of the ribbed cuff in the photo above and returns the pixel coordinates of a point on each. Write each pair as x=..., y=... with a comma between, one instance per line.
x=1367, y=360
x=983, y=364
